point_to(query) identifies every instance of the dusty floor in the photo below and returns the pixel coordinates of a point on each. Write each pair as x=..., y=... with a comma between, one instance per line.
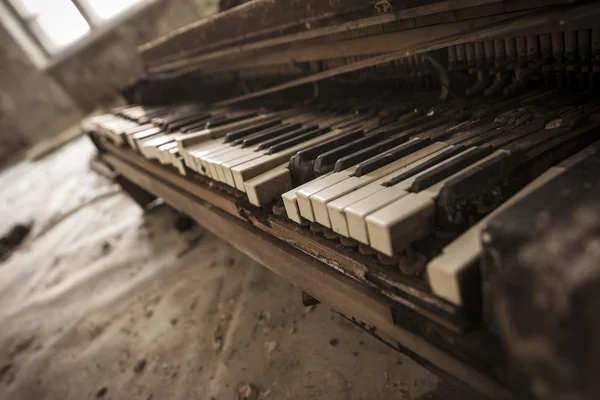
x=103, y=301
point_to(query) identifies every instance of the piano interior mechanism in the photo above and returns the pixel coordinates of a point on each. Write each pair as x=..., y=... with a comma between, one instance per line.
x=429, y=169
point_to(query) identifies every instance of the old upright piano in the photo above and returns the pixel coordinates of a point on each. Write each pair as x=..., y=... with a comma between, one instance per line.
x=428, y=168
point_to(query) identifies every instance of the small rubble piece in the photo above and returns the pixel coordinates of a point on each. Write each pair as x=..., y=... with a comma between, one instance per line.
x=333, y=342
x=102, y=392
x=11, y=240
x=140, y=366
x=106, y=246
x=248, y=392
x=271, y=346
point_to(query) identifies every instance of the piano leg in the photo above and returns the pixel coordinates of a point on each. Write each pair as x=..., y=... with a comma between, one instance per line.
x=139, y=195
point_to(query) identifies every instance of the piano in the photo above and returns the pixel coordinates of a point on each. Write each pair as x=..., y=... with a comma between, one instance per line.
x=429, y=169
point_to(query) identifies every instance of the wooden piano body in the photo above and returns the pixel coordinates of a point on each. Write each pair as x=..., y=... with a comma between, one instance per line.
x=473, y=64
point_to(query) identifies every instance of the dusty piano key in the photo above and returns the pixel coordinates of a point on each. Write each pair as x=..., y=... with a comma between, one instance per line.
x=253, y=168
x=193, y=153
x=174, y=157
x=527, y=159
x=397, y=225
x=290, y=198
x=247, y=130
x=135, y=138
x=267, y=134
x=215, y=162
x=188, y=121
x=303, y=194
x=347, y=213
x=165, y=120
x=112, y=130
x=286, y=144
x=192, y=138
x=290, y=201
x=454, y=274
x=148, y=147
x=302, y=164
x=198, y=126
x=286, y=136
x=336, y=208
x=148, y=116
x=266, y=187
x=224, y=166
x=163, y=152
x=242, y=133
x=326, y=162
x=370, y=171
x=220, y=121
x=384, y=145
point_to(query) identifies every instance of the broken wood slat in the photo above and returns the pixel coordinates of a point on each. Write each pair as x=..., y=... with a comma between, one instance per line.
x=248, y=20
x=324, y=42
x=528, y=21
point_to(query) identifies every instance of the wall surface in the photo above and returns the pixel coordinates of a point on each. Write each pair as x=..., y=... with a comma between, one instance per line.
x=32, y=105
x=35, y=105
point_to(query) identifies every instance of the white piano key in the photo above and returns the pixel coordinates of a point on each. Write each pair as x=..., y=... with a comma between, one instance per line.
x=400, y=223
x=290, y=200
x=251, y=169
x=337, y=207
x=266, y=187
x=320, y=199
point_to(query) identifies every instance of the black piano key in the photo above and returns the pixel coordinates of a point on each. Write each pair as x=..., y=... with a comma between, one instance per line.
x=202, y=125
x=230, y=120
x=467, y=198
x=164, y=121
x=494, y=168
x=391, y=156
x=447, y=169
x=182, y=123
x=326, y=162
x=318, y=149
x=242, y=133
x=371, y=151
x=267, y=134
x=443, y=156
x=302, y=164
x=286, y=136
x=298, y=139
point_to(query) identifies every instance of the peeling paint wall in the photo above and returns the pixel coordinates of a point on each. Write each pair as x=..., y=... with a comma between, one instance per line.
x=35, y=105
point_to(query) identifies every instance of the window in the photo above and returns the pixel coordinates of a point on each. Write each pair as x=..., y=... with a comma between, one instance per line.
x=56, y=25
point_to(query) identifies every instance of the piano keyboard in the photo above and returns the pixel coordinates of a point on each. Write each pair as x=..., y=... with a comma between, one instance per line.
x=400, y=182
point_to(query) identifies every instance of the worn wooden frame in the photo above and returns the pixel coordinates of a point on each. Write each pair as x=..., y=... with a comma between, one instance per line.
x=455, y=359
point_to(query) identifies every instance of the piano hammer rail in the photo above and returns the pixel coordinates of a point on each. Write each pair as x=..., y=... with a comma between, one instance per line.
x=362, y=305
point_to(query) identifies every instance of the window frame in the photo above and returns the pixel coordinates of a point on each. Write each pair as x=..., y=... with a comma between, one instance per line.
x=20, y=29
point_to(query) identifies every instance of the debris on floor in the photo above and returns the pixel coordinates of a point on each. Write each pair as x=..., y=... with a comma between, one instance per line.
x=248, y=392
x=13, y=238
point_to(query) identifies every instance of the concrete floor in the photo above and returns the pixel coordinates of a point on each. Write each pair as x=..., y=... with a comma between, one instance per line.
x=103, y=301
